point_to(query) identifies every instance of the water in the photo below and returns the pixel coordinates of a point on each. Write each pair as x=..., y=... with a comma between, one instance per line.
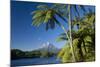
x=35, y=61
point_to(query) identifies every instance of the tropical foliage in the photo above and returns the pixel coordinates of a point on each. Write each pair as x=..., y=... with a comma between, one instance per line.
x=83, y=40
x=80, y=36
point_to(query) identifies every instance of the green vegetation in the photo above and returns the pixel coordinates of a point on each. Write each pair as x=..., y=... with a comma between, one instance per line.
x=18, y=54
x=80, y=41
x=83, y=40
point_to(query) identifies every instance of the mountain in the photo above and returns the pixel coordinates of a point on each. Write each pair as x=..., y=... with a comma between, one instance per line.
x=49, y=47
x=46, y=50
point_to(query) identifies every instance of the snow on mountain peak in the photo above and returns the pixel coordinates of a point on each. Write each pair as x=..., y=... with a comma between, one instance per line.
x=49, y=47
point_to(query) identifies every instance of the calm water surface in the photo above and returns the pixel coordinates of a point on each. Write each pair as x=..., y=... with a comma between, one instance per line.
x=35, y=61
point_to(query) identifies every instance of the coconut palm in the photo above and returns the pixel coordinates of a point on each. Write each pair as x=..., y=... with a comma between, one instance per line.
x=48, y=15
x=68, y=14
x=83, y=38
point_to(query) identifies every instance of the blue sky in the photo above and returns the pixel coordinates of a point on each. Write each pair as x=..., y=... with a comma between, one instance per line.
x=24, y=36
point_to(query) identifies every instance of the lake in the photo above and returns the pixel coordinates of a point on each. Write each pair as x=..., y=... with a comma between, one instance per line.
x=35, y=61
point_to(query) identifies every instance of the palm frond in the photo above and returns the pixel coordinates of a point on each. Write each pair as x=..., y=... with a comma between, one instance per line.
x=38, y=14
x=82, y=8
x=62, y=37
x=43, y=7
x=48, y=16
x=38, y=21
x=76, y=10
x=61, y=16
x=50, y=24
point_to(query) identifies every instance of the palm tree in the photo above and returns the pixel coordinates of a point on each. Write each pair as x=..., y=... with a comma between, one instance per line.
x=67, y=13
x=48, y=15
x=84, y=36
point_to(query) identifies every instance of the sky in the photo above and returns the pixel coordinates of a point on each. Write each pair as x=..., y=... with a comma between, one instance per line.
x=26, y=37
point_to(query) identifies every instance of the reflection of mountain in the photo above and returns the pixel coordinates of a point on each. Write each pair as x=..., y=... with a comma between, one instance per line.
x=49, y=48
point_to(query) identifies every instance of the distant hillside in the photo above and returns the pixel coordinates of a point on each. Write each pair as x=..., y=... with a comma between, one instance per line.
x=46, y=50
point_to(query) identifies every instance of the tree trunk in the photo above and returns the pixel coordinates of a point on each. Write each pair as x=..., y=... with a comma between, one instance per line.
x=84, y=46
x=80, y=51
x=70, y=35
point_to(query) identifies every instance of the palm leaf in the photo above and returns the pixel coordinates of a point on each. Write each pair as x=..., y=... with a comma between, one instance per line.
x=76, y=10
x=43, y=7
x=52, y=24
x=62, y=37
x=59, y=39
x=48, y=16
x=39, y=14
x=82, y=8
x=62, y=17
x=38, y=21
